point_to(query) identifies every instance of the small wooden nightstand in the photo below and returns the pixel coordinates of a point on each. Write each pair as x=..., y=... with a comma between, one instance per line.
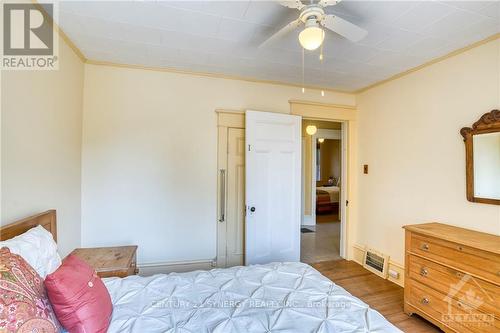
x=117, y=261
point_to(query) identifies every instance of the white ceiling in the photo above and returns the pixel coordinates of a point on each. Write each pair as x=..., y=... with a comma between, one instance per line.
x=223, y=37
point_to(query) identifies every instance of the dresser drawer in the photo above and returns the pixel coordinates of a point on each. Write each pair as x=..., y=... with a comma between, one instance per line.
x=468, y=259
x=470, y=290
x=450, y=312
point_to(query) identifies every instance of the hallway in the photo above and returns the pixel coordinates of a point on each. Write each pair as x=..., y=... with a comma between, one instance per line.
x=321, y=245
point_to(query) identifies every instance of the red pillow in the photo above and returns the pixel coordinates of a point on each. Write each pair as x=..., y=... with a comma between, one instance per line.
x=79, y=298
x=24, y=306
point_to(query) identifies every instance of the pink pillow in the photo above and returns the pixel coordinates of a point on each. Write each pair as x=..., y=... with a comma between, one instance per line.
x=79, y=298
x=24, y=306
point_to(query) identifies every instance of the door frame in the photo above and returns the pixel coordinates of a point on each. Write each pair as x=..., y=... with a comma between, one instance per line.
x=346, y=114
x=333, y=135
x=225, y=119
x=326, y=134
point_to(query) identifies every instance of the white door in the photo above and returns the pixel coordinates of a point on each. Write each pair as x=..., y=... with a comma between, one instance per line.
x=273, y=187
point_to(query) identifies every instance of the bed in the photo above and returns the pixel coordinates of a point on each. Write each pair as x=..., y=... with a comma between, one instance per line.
x=327, y=200
x=333, y=192
x=278, y=297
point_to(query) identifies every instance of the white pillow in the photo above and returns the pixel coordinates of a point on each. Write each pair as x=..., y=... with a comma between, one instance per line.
x=38, y=248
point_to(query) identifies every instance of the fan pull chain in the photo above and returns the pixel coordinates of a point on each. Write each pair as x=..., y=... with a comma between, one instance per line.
x=322, y=65
x=303, y=86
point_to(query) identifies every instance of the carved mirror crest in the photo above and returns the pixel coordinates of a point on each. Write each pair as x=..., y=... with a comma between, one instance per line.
x=482, y=159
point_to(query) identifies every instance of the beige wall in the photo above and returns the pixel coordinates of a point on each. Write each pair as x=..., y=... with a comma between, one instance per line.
x=409, y=136
x=41, y=145
x=150, y=160
x=330, y=160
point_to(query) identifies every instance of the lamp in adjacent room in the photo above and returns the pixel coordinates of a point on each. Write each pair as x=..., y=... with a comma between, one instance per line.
x=311, y=129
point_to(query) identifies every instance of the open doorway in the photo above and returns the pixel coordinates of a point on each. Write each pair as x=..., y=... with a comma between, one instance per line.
x=323, y=174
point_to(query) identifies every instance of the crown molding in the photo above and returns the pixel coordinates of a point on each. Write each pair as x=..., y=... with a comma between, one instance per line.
x=72, y=45
x=213, y=75
x=230, y=111
x=253, y=80
x=60, y=31
x=326, y=105
x=431, y=62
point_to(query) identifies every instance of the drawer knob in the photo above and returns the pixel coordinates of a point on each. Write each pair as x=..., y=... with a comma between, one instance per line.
x=425, y=300
x=424, y=271
x=425, y=247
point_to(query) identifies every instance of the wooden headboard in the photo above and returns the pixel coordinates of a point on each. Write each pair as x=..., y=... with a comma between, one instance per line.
x=46, y=220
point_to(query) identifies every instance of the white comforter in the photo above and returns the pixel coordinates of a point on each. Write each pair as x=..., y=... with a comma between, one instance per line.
x=277, y=297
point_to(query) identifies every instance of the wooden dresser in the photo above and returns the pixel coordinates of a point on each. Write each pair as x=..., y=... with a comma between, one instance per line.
x=452, y=277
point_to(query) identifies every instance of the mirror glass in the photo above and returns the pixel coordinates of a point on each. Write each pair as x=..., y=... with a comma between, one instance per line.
x=486, y=150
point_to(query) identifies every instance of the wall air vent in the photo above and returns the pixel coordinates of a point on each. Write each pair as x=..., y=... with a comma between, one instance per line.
x=376, y=262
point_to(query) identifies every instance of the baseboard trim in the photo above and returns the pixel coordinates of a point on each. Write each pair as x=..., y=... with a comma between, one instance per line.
x=358, y=251
x=148, y=269
x=308, y=220
x=394, y=266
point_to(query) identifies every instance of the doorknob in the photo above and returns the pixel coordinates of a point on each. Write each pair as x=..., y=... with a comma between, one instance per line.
x=251, y=210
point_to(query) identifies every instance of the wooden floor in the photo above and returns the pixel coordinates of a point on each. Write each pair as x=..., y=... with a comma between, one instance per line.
x=382, y=295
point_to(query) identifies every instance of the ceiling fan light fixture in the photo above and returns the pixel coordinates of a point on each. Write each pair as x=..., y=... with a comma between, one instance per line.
x=312, y=36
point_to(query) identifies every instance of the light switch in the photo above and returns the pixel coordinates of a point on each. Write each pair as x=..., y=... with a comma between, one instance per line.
x=365, y=169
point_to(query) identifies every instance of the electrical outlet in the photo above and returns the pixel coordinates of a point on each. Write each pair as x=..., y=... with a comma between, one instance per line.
x=393, y=274
x=365, y=169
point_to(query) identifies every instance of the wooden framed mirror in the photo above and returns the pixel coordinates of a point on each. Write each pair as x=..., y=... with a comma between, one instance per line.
x=482, y=159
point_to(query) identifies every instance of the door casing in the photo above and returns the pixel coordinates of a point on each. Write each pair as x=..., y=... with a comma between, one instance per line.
x=343, y=137
x=345, y=114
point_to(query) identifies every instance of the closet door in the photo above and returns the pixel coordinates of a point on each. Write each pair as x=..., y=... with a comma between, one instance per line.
x=235, y=224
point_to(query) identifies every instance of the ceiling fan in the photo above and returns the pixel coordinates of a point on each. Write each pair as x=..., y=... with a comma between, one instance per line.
x=315, y=19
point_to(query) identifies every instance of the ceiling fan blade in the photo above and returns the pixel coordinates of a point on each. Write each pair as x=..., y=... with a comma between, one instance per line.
x=326, y=3
x=344, y=28
x=295, y=4
x=282, y=32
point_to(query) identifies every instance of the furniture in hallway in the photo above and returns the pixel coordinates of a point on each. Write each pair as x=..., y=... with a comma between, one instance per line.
x=323, y=203
x=327, y=200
